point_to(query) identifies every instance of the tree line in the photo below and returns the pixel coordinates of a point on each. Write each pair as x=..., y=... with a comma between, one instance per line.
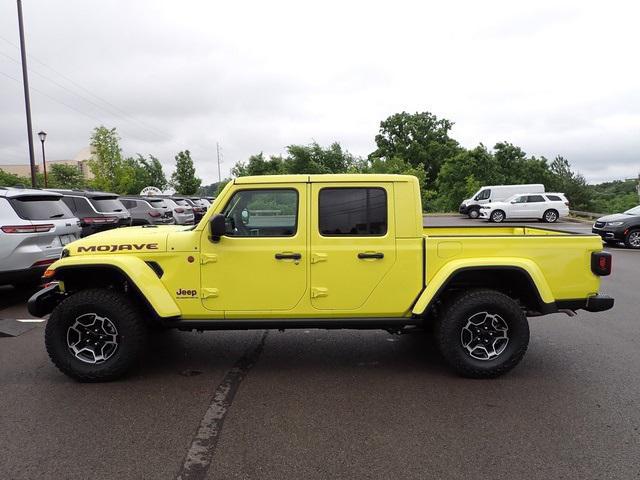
x=421, y=144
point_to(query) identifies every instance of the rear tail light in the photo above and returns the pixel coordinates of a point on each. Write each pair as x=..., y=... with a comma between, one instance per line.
x=601, y=263
x=566, y=203
x=179, y=210
x=154, y=214
x=98, y=220
x=27, y=228
x=42, y=263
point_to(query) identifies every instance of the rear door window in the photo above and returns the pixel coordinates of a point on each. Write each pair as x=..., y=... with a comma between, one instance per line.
x=352, y=211
x=40, y=207
x=535, y=199
x=107, y=204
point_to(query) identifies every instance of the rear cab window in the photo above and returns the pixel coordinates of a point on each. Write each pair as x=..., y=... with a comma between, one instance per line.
x=40, y=207
x=352, y=211
x=107, y=204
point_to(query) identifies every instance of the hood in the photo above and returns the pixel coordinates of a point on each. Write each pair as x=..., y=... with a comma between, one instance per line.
x=617, y=217
x=148, y=239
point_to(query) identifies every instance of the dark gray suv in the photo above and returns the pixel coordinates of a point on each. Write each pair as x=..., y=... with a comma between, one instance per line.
x=148, y=210
x=97, y=211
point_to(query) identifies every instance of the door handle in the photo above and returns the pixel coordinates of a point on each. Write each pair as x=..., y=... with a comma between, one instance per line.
x=288, y=256
x=364, y=255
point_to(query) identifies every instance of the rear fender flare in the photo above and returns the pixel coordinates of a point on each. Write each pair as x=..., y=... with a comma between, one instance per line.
x=440, y=280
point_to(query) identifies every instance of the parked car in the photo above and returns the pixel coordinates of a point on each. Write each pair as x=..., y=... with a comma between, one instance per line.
x=198, y=211
x=495, y=193
x=34, y=227
x=148, y=210
x=200, y=202
x=620, y=227
x=546, y=207
x=97, y=211
x=337, y=251
x=182, y=215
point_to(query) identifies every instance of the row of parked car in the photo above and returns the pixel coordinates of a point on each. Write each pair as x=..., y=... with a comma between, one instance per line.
x=36, y=224
x=498, y=203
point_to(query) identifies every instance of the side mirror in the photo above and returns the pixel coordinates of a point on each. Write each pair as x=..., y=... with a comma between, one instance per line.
x=217, y=226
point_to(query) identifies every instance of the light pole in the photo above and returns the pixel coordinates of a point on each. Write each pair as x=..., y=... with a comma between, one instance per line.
x=43, y=137
x=27, y=101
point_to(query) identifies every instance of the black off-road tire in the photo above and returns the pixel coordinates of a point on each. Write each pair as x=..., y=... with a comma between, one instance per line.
x=497, y=216
x=629, y=239
x=122, y=313
x=456, y=316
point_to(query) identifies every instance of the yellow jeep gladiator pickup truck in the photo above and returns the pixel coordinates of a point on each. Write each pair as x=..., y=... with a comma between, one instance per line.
x=316, y=251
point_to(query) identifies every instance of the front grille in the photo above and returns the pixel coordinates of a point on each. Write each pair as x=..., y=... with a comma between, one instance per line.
x=599, y=224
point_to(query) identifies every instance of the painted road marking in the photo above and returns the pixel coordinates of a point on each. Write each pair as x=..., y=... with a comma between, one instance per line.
x=198, y=459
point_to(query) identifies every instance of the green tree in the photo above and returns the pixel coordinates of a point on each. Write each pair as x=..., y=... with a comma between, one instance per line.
x=418, y=139
x=573, y=185
x=108, y=166
x=184, y=179
x=462, y=175
x=315, y=159
x=259, y=165
x=11, y=180
x=65, y=176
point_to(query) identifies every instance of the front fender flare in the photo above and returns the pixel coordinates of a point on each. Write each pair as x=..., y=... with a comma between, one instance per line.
x=135, y=269
x=446, y=273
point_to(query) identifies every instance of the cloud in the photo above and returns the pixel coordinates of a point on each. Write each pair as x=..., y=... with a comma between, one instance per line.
x=258, y=76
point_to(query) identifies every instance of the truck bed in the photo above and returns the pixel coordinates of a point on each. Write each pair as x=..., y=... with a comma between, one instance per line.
x=555, y=256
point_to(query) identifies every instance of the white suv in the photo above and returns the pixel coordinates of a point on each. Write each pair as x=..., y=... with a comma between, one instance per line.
x=547, y=207
x=34, y=227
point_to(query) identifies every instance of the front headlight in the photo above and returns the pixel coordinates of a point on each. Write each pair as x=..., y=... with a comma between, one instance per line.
x=614, y=224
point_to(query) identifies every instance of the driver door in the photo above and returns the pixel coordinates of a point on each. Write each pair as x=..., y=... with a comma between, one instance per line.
x=259, y=265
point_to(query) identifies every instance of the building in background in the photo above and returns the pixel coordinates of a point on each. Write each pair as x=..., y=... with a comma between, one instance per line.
x=81, y=161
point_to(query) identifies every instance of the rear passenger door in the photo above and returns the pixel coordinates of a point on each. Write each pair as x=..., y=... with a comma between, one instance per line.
x=535, y=206
x=352, y=243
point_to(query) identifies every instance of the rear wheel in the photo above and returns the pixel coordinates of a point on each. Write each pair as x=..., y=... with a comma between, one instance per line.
x=95, y=335
x=550, y=216
x=474, y=213
x=483, y=334
x=497, y=216
x=632, y=240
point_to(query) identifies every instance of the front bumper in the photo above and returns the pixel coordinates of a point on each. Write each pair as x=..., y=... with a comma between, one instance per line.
x=463, y=209
x=45, y=300
x=29, y=275
x=610, y=233
x=484, y=213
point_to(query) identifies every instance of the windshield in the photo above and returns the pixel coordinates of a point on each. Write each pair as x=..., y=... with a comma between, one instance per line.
x=633, y=211
x=107, y=204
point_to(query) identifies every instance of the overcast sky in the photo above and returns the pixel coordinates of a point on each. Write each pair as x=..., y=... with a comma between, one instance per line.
x=552, y=77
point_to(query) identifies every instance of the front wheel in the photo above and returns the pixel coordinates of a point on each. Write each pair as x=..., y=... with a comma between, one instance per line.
x=497, y=216
x=483, y=334
x=474, y=213
x=632, y=240
x=95, y=335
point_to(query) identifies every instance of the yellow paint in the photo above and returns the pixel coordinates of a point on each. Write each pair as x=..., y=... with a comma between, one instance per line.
x=241, y=278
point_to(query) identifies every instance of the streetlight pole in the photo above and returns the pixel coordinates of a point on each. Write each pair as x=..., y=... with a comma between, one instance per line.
x=218, y=150
x=27, y=101
x=43, y=136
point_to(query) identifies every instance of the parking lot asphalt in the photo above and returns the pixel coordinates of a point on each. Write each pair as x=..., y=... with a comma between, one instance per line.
x=318, y=404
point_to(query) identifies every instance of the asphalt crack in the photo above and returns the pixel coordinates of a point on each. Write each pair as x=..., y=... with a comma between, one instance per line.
x=203, y=446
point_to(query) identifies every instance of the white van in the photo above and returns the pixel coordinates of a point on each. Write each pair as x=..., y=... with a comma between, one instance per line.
x=495, y=193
